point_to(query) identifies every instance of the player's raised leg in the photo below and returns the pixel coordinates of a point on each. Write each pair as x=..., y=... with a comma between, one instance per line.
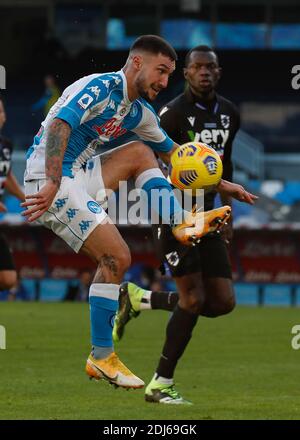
x=136, y=160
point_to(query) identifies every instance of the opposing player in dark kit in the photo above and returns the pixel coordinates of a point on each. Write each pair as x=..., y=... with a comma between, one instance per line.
x=202, y=273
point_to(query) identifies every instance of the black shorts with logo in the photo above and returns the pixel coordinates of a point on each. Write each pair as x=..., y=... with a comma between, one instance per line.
x=6, y=259
x=210, y=256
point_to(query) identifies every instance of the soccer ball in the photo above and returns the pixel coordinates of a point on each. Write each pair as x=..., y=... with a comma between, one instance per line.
x=195, y=165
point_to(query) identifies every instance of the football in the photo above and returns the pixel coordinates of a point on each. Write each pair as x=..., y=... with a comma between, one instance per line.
x=195, y=165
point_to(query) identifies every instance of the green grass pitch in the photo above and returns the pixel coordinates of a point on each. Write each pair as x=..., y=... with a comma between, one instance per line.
x=240, y=366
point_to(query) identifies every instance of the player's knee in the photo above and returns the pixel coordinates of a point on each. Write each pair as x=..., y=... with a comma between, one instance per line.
x=8, y=279
x=192, y=304
x=123, y=260
x=142, y=154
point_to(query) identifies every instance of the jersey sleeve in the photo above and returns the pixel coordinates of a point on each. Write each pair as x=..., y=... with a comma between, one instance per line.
x=82, y=101
x=150, y=131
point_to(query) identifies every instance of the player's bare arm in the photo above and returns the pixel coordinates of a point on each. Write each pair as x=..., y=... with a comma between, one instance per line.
x=57, y=140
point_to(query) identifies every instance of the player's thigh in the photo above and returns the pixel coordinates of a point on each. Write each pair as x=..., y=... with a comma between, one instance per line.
x=191, y=292
x=216, y=272
x=118, y=165
x=219, y=292
x=184, y=265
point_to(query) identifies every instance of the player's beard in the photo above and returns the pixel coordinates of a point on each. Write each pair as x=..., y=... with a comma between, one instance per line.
x=141, y=88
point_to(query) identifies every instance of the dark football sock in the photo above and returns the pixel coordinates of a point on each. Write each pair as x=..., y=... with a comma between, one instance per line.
x=179, y=332
x=164, y=300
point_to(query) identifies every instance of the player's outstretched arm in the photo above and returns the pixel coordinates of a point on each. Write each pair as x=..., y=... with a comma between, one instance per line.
x=57, y=140
x=236, y=191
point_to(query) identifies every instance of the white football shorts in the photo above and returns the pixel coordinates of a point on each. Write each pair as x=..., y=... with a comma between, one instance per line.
x=75, y=211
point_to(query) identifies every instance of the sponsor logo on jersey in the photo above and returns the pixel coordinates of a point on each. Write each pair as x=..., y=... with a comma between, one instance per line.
x=110, y=128
x=225, y=120
x=95, y=90
x=94, y=207
x=211, y=164
x=214, y=137
x=191, y=120
x=85, y=101
x=173, y=258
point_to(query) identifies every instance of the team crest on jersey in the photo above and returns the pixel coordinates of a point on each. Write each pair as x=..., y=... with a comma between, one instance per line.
x=191, y=120
x=211, y=164
x=172, y=258
x=225, y=121
x=85, y=101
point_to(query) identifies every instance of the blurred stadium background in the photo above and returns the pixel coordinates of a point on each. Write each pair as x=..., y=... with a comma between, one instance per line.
x=258, y=44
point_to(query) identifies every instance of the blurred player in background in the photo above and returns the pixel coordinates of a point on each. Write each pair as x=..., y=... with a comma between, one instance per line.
x=202, y=273
x=8, y=274
x=50, y=96
x=62, y=181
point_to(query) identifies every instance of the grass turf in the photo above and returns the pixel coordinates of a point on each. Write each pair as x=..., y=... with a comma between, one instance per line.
x=239, y=366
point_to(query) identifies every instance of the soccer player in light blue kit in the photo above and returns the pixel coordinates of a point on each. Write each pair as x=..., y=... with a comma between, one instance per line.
x=62, y=179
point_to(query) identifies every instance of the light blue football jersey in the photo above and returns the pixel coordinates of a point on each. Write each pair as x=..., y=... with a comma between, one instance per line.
x=99, y=111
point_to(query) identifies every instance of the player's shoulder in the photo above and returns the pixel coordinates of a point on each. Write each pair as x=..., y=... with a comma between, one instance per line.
x=98, y=85
x=227, y=104
x=110, y=80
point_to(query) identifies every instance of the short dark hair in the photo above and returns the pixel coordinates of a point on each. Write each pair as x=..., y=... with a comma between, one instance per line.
x=155, y=45
x=200, y=48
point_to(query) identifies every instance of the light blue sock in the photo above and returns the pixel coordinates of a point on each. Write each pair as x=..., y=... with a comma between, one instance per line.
x=166, y=207
x=103, y=300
